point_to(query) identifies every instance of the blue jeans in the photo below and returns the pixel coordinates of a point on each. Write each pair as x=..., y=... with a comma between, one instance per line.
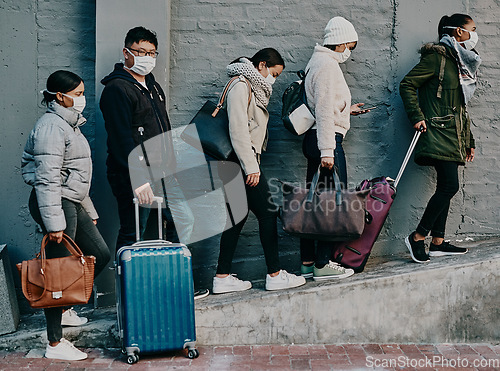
x=177, y=210
x=321, y=253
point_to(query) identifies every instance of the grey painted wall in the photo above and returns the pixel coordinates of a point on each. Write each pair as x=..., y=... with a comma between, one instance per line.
x=112, y=24
x=39, y=37
x=208, y=34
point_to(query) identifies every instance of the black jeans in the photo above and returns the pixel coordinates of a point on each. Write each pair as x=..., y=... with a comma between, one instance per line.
x=308, y=250
x=80, y=227
x=259, y=200
x=436, y=212
x=122, y=190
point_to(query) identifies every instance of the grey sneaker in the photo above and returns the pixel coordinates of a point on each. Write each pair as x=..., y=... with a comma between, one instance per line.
x=417, y=249
x=284, y=280
x=230, y=284
x=330, y=271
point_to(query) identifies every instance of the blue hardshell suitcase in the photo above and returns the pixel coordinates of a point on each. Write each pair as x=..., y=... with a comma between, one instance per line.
x=155, y=296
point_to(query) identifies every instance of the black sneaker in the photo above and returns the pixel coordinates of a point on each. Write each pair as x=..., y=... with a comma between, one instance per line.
x=446, y=248
x=200, y=294
x=417, y=249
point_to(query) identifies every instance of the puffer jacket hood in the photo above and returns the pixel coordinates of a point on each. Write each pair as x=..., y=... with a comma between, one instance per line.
x=73, y=118
x=433, y=48
x=57, y=162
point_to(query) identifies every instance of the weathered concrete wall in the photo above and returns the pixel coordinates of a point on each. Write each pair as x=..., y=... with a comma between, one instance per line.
x=39, y=37
x=386, y=304
x=208, y=34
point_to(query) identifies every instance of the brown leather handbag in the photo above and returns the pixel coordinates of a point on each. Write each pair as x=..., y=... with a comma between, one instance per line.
x=57, y=282
x=327, y=215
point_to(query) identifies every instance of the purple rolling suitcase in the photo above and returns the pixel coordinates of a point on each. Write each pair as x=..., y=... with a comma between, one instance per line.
x=155, y=296
x=354, y=254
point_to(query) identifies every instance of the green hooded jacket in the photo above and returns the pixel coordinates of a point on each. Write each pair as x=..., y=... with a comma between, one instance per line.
x=431, y=91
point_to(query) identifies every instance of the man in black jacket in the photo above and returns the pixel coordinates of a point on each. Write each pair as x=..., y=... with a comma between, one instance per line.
x=134, y=110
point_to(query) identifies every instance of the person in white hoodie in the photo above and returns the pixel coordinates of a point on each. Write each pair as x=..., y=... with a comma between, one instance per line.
x=330, y=100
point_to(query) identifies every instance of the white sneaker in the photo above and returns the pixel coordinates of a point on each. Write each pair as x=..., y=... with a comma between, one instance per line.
x=230, y=284
x=284, y=280
x=66, y=351
x=70, y=318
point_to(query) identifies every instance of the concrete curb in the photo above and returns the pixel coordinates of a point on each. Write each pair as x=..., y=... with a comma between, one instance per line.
x=450, y=299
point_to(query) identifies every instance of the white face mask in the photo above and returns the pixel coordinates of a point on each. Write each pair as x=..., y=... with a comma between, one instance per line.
x=142, y=65
x=270, y=78
x=472, y=42
x=473, y=38
x=78, y=103
x=342, y=57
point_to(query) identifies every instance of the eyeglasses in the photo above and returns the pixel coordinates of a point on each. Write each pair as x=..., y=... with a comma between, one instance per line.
x=143, y=53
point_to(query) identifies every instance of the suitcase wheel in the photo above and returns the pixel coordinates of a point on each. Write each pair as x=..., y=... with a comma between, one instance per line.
x=193, y=353
x=132, y=358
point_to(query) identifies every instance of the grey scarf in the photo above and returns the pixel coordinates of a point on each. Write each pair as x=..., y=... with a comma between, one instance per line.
x=260, y=87
x=468, y=62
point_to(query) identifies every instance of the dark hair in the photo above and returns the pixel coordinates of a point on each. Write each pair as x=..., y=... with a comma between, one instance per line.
x=138, y=34
x=456, y=20
x=269, y=55
x=60, y=81
x=333, y=47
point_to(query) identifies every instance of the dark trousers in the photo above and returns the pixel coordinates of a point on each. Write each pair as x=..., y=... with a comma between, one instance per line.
x=81, y=229
x=311, y=250
x=436, y=212
x=259, y=200
x=122, y=190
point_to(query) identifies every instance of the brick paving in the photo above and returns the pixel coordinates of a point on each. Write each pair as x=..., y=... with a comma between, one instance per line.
x=280, y=357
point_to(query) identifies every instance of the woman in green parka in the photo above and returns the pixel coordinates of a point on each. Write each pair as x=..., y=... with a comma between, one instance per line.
x=435, y=95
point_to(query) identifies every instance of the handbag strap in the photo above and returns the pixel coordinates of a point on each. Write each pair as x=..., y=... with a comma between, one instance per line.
x=226, y=90
x=68, y=243
x=314, y=186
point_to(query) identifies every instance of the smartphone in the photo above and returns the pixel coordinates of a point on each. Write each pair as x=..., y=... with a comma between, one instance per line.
x=364, y=109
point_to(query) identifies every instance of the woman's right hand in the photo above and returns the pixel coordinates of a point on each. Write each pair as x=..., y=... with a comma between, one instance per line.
x=327, y=162
x=253, y=179
x=420, y=124
x=56, y=236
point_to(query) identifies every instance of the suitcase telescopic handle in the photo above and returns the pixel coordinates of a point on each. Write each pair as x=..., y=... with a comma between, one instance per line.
x=408, y=155
x=159, y=201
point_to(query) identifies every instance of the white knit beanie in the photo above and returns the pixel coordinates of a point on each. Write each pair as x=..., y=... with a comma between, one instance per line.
x=339, y=31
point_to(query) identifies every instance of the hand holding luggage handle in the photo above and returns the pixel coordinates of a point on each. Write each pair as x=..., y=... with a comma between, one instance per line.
x=158, y=200
x=408, y=155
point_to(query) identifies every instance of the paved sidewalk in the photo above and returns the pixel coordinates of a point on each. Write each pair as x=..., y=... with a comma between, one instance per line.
x=280, y=357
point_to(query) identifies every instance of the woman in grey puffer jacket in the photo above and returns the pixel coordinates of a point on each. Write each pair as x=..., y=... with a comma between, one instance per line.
x=57, y=163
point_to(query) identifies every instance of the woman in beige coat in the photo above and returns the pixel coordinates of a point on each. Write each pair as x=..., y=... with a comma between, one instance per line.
x=248, y=118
